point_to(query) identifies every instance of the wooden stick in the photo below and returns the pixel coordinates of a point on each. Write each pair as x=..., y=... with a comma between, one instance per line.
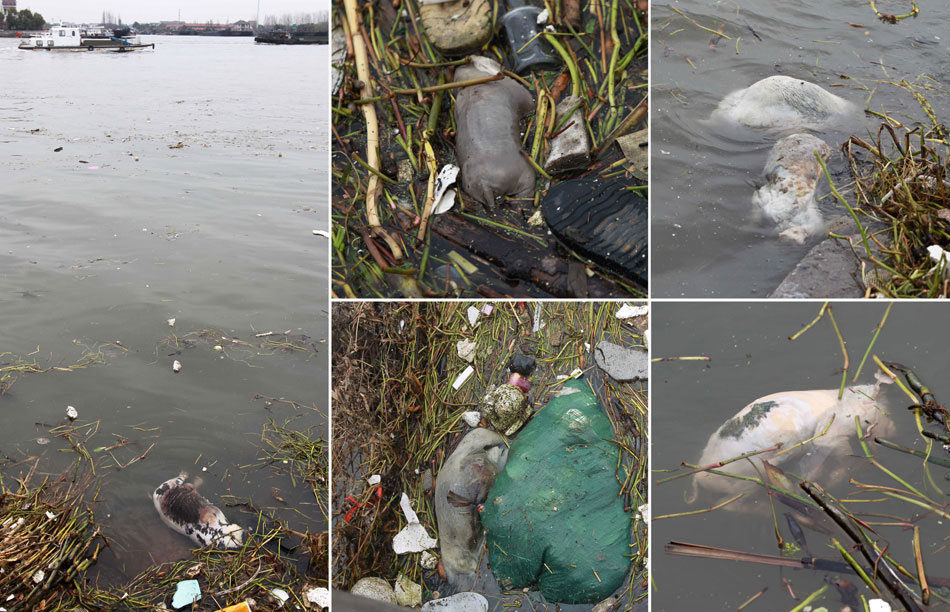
x=372, y=129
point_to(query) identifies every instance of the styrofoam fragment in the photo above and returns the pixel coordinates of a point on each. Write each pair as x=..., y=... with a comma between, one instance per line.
x=413, y=537
x=461, y=378
x=627, y=311
x=472, y=418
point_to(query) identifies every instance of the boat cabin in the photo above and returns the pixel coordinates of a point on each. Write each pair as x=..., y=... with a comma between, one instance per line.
x=57, y=36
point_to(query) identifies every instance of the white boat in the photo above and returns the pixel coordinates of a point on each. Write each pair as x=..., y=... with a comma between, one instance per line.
x=71, y=38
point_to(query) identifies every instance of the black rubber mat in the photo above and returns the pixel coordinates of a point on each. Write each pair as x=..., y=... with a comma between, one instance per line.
x=603, y=221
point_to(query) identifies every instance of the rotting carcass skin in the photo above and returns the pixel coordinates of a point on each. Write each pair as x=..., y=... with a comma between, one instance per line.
x=789, y=418
x=460, y=488
x=488, y=141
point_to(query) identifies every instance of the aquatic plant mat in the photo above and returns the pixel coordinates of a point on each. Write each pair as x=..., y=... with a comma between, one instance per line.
x=264, y=564
x=48, y=538
x=13, y=367
x=859, y=538
x=505, y=249
x=396, y=415
x=900, y=200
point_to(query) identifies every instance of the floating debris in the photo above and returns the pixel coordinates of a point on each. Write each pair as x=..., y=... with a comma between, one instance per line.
x=428, y=561
x=460, y=602
x=318, y=596
x=627, y=311
x=473, y=314
x=71, y=413
x=176, y=367
x=460, y=380
x=171, y=322
x=413, y=537
x=374, y=588
x=622, y=364
x=506, y=408
x=939, y=256
x=244, y=606
x=466, y=350
x=408, y=593
x=444, y=197
x=187, y=592
x=280, y=596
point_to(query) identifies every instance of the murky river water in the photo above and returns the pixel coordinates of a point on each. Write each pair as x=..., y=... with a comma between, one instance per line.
x=751, y=357
x=184, y=183
x=704, y=240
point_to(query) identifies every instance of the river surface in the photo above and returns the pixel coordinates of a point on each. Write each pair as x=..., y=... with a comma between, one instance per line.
x=181, y=183
x=750, y=357
x=705, y=243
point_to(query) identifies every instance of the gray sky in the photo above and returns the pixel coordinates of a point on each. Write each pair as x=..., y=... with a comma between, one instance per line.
x=194, y=11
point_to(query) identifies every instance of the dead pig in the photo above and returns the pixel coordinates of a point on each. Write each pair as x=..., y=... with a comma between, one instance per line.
x=789, y=418
x=488, y=141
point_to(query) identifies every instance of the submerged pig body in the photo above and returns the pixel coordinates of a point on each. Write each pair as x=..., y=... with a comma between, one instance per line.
x=789, y=418
x=488, y=141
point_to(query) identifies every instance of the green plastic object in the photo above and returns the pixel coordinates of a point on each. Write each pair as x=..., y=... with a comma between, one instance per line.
x=554, y=518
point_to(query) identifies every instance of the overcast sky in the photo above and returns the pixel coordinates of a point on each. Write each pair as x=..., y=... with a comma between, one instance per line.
x=192, y=11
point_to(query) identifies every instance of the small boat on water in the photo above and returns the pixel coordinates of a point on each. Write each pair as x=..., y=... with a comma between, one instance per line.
x=70, y=38
x=281, y=37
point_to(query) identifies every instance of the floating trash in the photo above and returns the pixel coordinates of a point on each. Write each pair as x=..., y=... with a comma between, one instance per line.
x=472, y=418
x=374, y=588
x=466, y=350
x=318, y=596
x=621, y=363
x=628, y=312
x=176, y=367
x=444, y=197
x=939, y=256
x=71, y=413
x=187, y=592
x=428, y=561
x=244, y=606
x=473, y=314
x=506, y=408
x=554, y=518
x=460, y=602
x=408, y=593
x=280, y=596
x=461, y=378
x=413, y=537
